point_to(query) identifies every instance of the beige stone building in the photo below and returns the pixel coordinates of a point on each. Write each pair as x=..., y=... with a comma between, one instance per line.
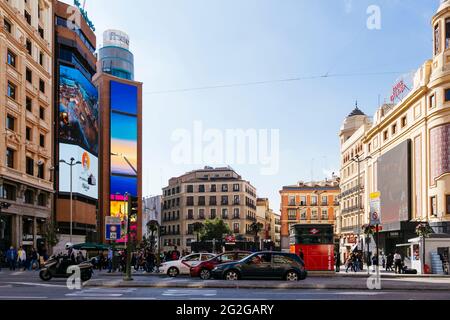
x=203, y=194
x=26, y=96
x=409, y=146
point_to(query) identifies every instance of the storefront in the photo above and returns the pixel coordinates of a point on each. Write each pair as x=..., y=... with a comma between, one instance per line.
x=5, y=232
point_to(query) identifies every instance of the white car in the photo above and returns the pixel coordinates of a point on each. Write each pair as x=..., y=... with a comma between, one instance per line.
x=184, y=264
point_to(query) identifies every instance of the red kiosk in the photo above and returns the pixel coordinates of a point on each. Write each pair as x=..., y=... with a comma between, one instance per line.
x=316, y=242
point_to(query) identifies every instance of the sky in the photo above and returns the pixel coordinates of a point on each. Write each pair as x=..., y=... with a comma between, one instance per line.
x=182, y=44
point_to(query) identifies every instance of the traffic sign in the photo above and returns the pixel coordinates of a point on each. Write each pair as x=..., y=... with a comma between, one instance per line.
x=112, y=228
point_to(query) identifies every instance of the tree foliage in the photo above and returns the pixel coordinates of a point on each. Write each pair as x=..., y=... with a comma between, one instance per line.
x=215, y=229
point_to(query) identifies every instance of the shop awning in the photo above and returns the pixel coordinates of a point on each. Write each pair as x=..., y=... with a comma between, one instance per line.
x=403, y=245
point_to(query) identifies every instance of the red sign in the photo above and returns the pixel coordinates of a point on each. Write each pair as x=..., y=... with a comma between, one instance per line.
x=314, y=231
x=317, y=257
x=398, y=90
x=230, y=239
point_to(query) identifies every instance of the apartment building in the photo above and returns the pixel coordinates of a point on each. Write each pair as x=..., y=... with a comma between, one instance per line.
x=26, y=148
x=308, y=203
x=208, y=193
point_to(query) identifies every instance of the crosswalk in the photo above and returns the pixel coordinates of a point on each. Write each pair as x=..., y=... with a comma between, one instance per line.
x=189, y=293
x=104, y=293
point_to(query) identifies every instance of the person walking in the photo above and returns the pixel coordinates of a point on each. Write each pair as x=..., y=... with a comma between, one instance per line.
x=398, y=263
x=22, y=258
x=110, y=259
x=374, y=263
x=11, y=258
x=33, y=260
x=338, y=262
x=175, y=254
x=389, y=262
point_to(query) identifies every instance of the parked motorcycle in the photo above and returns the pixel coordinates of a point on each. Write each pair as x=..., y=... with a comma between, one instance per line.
x=56, y=267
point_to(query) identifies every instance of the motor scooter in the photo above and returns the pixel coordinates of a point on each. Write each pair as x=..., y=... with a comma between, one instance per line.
x=57, y=266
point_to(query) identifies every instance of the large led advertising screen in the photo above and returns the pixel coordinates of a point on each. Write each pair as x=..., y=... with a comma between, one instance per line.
x=84, y=176
x=78, y=110
x=123, y=98
x=394, y=183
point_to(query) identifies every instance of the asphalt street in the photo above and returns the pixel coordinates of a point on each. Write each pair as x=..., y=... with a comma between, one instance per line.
x=28, y=286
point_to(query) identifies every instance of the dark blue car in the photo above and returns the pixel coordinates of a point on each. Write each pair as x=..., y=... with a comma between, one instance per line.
x=263, y=265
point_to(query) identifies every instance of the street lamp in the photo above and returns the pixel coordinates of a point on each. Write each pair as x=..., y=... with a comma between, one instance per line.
x=358, y=160
x=71, y=165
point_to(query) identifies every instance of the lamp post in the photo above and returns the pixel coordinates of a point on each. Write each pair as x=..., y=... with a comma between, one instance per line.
x=71, y=164
x=358, y=160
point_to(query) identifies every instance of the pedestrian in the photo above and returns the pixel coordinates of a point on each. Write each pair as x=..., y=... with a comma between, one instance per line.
x=338, y=262
x=398, y=263
x=175, y=254
x=11, y=258
x=34, y=260
x=22, y=258
x=374, y=263
x=383, y=261
x=349, y=264
x=110, y=260
x=150, y=262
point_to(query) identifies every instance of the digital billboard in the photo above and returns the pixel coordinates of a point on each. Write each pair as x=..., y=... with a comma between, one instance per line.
x=119, y=209
x=123, y=98
x=84, y=176
x=78, y=110
x=394, y=184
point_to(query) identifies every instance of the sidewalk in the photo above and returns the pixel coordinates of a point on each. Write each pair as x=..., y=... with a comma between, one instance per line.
x=336, y=283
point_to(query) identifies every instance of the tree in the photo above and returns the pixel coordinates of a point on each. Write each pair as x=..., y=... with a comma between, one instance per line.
x=215, y=229
x=51, y=237
x=256, y=228
x=198, y=229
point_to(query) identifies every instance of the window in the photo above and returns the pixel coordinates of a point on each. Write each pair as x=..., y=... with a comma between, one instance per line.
x=42, y=85
x=12, y=90
x=42, y=200
x=29, y=104
x=201, y=201
x=314, y=215
x=27, y=17
x=9, y=192
x=292, y=200
x=10, y=153
x=29, y=197
x=324, y=214
x=201, y=188
x=303, y=215
x=432, y=101
x=236, y=200
x=236, y=213
x=11, y=59
x=28, y=135
x=235, y=187
x=224, y=188
x=190, y=214
x=8, y=26
x=10, y=122
x=30, y=166
x=190, y=189
x=213, y=188
x=447, y=33
x=302, y=201
x=29, y=47
x=437, y=39
x=41, y=171
x=448, y=204
x=292, y=214
x=29, y=75
x=433, y=206
x=42, y=140
x=324, y=200
x=236, y=228
x=224, y=213
x=224, y=200
x=41, y=32
x=190, y=201
x=404, y=121
x=212, y=201
x=213, y=214
x=42, y=113
x=385, y=135
x=201, y=213
x=314, y=200
x=394, y=129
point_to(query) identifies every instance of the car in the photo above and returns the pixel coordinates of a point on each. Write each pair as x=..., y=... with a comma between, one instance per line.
x=183, y=265
x=263, y=265
x=203, y=270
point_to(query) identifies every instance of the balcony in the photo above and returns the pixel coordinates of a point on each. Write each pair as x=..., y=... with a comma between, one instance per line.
x=251, y=218
x=236, y=216
x=190, y=217
x=225, y=216
x=352, y=209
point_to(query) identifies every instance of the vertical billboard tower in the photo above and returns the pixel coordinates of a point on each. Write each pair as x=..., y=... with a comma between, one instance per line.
x=120, y=134
x=76, y=126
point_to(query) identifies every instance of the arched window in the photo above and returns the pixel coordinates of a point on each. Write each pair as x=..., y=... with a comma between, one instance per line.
x=437, y=39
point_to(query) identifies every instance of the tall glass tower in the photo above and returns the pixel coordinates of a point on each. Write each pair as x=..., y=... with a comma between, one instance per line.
x=115, y=57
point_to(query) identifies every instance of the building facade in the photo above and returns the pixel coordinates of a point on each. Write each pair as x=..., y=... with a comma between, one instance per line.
x=408, y=143
x=26, y=99
x=275, y=229
x=204, y=194
x=77, y=127
x=266, y=216
x=151, y=211
x=120, y=142
x=308, y=203
x=350, y=217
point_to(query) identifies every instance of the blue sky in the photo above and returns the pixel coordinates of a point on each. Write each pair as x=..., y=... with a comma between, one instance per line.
x=183, y=44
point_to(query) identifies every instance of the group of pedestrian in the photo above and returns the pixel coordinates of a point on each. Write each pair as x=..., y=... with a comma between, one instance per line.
x=354, y=262
x=20, y=260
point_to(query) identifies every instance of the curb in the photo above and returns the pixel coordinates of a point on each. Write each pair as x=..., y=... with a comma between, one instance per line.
x=257, y=285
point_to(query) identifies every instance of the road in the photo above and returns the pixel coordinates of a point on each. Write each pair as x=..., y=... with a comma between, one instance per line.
x=28, y=286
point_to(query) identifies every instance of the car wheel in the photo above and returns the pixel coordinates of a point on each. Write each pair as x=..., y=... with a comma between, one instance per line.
x=231, y=275
x=292, y=276
x=173, y=272
x=45, y=275
x=205, y=274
